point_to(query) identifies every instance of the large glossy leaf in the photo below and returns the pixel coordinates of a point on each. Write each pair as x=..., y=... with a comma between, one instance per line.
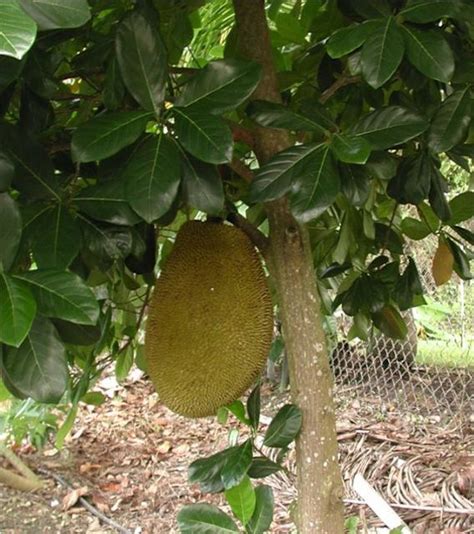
x=105, y=135
x=274, y=179
x=152, y=177
x=315, y=191
x=37, y=368
x=17, y=30
x=7, y=171
x=451, y=122
x=262, y=517
x=107, y=201
x=202, y=186
x=437, y=195
x=351, y=149
x=34, y=172
x=17, y=310
x=348, y=39
x=462, y=207
x=242, y=500
x=236, y=465
x=207, y=471
x=284, y=427
x=107, y=242
x=262, y=467
x=273, y=115
x=11, y=227
x=221, y=86
x=204, y=519
x=203, y=135
x=412, y=183
x=423, y=11
x=443, y=263
x=253, y=406
x=430, y=53
x=57, y=238
x=390, y=322
x=50, y=14
x=114, y=88
x=382, y=53
x=62, y=295
x=143, y=60
x=390, y=126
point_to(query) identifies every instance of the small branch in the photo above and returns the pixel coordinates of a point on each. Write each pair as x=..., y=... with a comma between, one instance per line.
x=183, y=70
x=338, y=84
x=241, y=134
x=241, y=169
x=20, y=466
x=72, y=96
x=92, y=509
x=259, y=239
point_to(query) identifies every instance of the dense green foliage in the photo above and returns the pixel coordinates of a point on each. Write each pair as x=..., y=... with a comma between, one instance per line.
x=118, y=119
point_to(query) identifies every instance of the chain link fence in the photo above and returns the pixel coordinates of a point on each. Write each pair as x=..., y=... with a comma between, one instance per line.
x=432, y=370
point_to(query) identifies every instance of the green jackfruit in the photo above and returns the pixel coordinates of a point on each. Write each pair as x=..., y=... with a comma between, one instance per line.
x=210, y=323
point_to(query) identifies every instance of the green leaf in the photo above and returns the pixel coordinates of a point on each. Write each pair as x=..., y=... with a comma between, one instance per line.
x=114, y=88
x=262, y=517
x=17, y=30
x=202, y=186
x=37, y=368
x=17, y=310
x=204, y=519
x=62, y=295
x=204, y=136
x=262, y=467
x=11, y=225
x=390, y=322
x=207, y=471
x=57, y=239
x=107, y=242
x=236, y=465
x=76, y=334
x=414, y=229
x=312, y=193
x=351, y=149
x=462, y=207
x=451, y=122
x=275, y=178
x=382, y=53
x=34, y=172
x=390, y=126
x=221, y=86
x=50, y=14
x=7, y=172
x=284, y=427
x=66, y=427
x=430, y=53
x=461, y=261
x=107, y=134
x=253, y=406
x=273, y=115
x=124, y=363
x=290, y=29
x=152, y=177
x=237, y=408
x=437, y=197
x=355, y=184
x=409, y=288
x=466, y=234
x=242, y=500
x=423, y=11
x=412, y=183
x=346, y=40
x=143, y=60
x=106, y=201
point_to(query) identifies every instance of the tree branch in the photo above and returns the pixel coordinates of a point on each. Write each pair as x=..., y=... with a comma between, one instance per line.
x=259, y=239
x=338, y=84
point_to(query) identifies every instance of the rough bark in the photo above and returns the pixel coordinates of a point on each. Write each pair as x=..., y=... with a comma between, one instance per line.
x=320, y=508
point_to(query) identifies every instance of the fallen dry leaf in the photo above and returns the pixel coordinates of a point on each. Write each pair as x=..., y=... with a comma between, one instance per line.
x=71, y=498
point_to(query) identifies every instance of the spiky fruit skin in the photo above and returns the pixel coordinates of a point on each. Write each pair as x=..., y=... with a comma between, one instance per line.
x=210, y=320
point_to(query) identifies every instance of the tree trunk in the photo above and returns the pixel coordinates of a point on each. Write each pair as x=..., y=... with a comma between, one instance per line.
x=320, y=509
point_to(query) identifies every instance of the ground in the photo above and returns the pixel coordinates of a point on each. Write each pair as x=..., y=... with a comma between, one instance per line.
x=129, y=459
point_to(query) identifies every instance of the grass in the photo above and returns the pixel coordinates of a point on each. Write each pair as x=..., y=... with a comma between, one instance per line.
x=443, y=354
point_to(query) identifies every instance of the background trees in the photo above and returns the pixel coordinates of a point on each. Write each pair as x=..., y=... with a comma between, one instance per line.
x=120, y=119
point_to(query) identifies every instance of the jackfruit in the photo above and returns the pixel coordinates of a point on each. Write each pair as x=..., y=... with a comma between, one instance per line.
x=210, y=323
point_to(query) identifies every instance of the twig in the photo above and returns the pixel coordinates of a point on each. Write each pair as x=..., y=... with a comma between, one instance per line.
x=241, y=169
x=92, y=509
x=338, y=84
x=259, y=239
x=438, y=509
x=19, y=482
